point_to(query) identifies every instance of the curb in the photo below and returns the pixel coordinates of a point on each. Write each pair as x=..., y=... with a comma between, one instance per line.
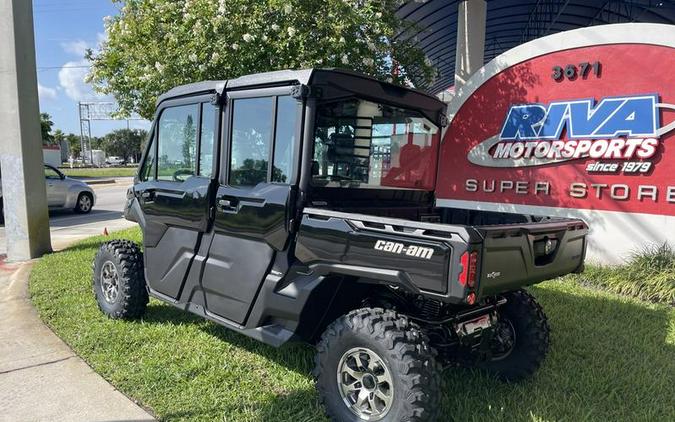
x=99, y=182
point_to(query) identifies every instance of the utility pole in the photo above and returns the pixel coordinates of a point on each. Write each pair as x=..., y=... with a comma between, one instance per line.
x=470, y=49
x=23, y=179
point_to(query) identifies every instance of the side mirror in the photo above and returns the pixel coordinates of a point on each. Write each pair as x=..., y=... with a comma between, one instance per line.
x=315, y=168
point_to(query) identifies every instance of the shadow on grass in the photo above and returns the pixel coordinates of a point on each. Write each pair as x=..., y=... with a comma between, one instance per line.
x=609, y=360
x=294, y=356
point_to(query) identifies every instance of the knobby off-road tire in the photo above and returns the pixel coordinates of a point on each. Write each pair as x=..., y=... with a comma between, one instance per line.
x=391, y=348
x=118, y=281
x=531, y=330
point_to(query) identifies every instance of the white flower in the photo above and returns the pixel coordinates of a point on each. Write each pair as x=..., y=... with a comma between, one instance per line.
x=264, y=37
x=221, y=7
x=248, y=37
x=159, y=67
x=193, y=57
x=378, y=15
x=275, y=27
x=368, y=61
x=215, y=56
x=345, y=59
x=371, y=45
x=291, y=31
x=202, y=67
x=235, y=46
x=342, y=40
x=288, y=9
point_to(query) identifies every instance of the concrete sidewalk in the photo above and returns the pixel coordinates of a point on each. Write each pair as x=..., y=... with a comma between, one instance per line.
x=41, y=379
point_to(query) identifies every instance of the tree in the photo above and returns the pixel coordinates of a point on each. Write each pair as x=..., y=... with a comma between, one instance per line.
x=124, y=143
x=58, y=137
x=152, y=46
x=189, y=137
x=46, y=128
x=74, y=145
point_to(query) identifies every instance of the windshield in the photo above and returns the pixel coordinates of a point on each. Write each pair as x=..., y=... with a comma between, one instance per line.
x=359, y=143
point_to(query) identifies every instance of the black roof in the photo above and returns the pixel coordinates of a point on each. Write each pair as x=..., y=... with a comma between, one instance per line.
x=278, y=77
x=514, y=22
x=333, y=82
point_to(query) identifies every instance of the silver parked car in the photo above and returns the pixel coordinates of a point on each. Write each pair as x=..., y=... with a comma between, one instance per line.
x=66, y=193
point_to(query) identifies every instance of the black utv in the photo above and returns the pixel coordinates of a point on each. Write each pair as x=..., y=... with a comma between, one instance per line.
x=299, y=205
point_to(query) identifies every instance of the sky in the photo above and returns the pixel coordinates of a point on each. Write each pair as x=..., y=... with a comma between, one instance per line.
x=64, y=29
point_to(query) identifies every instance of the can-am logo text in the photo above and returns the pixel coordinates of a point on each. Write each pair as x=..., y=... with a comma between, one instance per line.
x=616, y=128
x=400, y=248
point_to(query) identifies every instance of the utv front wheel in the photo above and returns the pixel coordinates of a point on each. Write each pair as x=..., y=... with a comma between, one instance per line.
x=118, y=282
x=521, y=338
x=374, y=364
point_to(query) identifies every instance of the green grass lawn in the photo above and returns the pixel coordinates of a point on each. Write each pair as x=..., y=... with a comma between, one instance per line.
x=99, y=172
x=612, y=358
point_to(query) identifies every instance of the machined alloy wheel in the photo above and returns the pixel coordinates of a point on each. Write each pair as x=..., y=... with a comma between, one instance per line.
x=374, y=364
x=365, y=383
x=118, y=282
x=110, y=286
x=84, y=203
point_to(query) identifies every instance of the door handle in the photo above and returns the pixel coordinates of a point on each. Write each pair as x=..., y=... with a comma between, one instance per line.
x=225, y=205
x=148, y=195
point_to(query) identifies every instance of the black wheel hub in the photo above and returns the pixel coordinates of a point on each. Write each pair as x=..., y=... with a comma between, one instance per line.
x=503, y=339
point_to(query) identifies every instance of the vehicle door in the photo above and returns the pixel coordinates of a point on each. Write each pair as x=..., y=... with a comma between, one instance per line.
x=254, y=199
x=57, y=187
x=173, y=190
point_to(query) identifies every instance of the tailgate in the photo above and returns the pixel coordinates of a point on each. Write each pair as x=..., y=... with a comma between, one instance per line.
x=522, y=254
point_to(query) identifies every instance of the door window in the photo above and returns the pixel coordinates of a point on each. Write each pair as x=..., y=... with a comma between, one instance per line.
x=148, y=169
x=251, y=140
x=284, y=139
x=177, y=142
x=208, y=134
x=52, y=174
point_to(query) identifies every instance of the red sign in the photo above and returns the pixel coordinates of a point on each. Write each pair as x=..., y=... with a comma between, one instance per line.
x=588, y=127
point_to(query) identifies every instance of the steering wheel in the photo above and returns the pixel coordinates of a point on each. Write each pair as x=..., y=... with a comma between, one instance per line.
x=182, y=172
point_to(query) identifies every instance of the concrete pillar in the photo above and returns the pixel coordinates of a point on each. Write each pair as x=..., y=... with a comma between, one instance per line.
x=470, y=39
x=23, y=179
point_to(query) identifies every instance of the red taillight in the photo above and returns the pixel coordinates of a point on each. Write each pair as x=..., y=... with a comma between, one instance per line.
x=473, y=269
x=464, y=260
x=471, y=298
x=469, y=262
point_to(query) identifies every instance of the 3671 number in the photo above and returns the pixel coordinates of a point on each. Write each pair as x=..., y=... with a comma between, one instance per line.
x=572, y=72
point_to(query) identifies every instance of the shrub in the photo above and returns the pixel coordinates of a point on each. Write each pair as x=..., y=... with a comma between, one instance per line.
x=648, y=274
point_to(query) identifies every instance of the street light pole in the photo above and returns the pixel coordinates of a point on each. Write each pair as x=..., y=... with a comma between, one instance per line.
x=23, y=179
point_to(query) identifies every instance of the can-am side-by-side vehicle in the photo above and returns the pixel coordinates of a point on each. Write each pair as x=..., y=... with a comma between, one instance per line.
x=299, y=205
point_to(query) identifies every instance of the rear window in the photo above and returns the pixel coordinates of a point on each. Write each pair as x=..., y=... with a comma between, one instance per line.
x=359, y=143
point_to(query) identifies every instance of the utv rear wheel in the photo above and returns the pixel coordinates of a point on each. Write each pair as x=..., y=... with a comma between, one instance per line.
x=373, y=364
x=521, y=338
x=118, y=282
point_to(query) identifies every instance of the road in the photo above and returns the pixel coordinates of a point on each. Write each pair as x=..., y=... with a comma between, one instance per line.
x=66, y=226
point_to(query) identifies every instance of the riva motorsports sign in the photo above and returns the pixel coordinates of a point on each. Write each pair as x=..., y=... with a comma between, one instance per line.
x=617, y=128
x=587, y=126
